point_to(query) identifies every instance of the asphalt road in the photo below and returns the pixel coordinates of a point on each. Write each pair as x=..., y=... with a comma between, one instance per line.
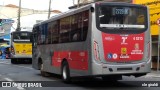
x=25, y=72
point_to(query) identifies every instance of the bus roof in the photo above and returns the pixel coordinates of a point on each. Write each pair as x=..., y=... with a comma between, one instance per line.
x=82, y=8
x=61, y=15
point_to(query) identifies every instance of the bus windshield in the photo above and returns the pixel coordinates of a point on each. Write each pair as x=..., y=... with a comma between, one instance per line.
x=21, y=36
x=120, y=17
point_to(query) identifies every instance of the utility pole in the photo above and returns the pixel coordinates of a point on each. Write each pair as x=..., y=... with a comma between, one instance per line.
x=73, y=2
x=49, y=9
x=78, y=3
x=19, y=16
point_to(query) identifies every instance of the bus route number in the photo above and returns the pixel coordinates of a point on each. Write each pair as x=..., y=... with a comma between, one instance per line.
x=137, y=38
x=121, y=11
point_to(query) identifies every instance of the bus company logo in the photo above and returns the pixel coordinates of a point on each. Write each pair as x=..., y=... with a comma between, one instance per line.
x=21, y=84
x=123, y=50
x=115, y=56
x=124, y=56
x=109, y=38
x=136, y=49
x=6, y=84
x=124, y=40
x=109, y=56
x=136, y=46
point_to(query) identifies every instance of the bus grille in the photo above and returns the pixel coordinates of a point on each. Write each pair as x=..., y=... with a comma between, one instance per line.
x=123, y=69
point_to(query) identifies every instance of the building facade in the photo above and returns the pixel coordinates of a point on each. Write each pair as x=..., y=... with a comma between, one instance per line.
x=29, y=17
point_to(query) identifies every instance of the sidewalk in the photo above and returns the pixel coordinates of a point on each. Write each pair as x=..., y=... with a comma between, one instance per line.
x=154, y=74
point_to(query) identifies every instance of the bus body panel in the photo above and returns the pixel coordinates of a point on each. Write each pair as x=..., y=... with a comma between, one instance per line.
x=52, y=59
x=90, y=57
x=54, y=55
x=21, y=48
x=108, y=62
x=125, y=48
x=102, y=67
x=77, y=59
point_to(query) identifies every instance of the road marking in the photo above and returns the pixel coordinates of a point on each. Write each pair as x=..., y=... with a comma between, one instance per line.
x=8, y=79
x=153, y=75
x=16, y=65
x=24, y=67
x=19, y=88
x=4, y=62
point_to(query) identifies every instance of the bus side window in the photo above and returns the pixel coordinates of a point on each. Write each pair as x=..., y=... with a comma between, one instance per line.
x=55, y=32
x=76, y=37
x=76, y=27
x=85, y=24
x=64, y=30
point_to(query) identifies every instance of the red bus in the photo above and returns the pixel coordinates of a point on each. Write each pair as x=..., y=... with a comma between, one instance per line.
x=101, y=39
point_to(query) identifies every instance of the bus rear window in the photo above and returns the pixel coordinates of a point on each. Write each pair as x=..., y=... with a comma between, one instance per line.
x=21, y=37
x=121, y=17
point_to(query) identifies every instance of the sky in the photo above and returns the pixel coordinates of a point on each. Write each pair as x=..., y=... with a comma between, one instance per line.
x=61, y=5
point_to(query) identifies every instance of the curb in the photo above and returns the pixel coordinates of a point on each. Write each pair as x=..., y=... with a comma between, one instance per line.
x=154, y=75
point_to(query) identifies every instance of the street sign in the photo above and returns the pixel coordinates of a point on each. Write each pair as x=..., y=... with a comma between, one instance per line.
x=158, y=21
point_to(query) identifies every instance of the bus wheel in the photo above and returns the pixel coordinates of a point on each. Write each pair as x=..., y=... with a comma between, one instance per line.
x=13, y=61
x=43, y=73
x=65, y=73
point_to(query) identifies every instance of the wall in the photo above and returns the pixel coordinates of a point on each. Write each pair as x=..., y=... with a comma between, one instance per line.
x=28, y=16
x=154, y=6
x=9, y=12
x=29, y=20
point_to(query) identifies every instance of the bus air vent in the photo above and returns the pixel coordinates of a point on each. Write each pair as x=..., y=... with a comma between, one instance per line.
x=123, y=69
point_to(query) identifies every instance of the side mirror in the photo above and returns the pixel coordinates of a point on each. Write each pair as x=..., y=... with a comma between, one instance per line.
x=31, y=38
x=92, y=9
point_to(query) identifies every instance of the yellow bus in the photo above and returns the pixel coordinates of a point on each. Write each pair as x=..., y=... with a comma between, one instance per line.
x=21, y=46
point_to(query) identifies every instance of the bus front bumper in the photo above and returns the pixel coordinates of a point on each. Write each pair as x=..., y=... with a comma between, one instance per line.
x=124, y=69
x=21, y=56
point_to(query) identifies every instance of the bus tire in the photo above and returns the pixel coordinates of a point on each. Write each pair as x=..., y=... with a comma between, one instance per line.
x=13, y=61
x=43, y=73
x=65, y=73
